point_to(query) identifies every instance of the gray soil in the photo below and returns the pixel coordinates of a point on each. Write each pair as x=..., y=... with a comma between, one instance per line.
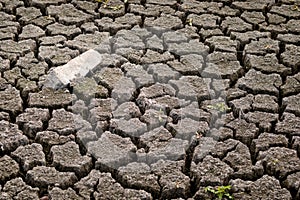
x=188, y=94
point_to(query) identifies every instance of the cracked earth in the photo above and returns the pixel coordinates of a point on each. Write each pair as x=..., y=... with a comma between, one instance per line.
x=186, y=95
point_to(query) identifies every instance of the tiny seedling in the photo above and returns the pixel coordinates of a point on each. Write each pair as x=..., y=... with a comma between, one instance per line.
x=189, y=21
x=295, y=7
x=103, y=1
x=220, y=192
x=219, y=106
x=114, y=8
x=160, y=114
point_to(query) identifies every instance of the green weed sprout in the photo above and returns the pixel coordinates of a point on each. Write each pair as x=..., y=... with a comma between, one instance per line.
x=220, y=192
x=219, y=106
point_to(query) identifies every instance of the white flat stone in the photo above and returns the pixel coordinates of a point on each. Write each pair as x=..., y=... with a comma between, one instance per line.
x=80, y=66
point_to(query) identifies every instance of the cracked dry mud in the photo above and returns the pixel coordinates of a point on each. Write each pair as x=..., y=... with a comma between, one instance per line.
x=188, y=94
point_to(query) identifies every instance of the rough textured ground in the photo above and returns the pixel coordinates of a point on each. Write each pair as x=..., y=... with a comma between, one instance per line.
x=188, y=94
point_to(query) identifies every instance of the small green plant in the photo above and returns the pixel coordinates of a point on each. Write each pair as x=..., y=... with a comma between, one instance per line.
x=160, y=114
x=103, y=1
x=220, y=192
x=189, y=21
x=219, y=106
x=295, y=7
x=114, y=8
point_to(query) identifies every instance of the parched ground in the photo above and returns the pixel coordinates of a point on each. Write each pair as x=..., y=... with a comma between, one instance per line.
x=186, y=95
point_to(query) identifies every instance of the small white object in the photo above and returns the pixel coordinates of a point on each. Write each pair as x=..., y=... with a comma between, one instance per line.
x=80, y=66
